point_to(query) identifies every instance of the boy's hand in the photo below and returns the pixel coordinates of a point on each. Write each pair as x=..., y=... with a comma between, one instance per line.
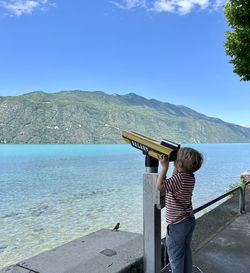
x=164, y=160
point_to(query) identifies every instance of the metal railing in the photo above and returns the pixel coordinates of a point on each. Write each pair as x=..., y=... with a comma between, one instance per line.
x=242, y=199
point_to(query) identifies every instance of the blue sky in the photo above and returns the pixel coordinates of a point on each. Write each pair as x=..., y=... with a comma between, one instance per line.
x=170, y=50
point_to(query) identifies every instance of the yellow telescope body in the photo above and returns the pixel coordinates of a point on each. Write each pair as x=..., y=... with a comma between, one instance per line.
x=150, y=146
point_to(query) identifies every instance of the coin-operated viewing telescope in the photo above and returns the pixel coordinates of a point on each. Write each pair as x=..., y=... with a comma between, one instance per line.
x=150, y=146
x=153, y=200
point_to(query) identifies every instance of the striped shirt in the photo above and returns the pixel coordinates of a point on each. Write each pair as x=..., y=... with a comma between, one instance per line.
x=179, y=189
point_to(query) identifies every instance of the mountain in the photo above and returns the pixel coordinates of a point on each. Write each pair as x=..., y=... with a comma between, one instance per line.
x=94, y=117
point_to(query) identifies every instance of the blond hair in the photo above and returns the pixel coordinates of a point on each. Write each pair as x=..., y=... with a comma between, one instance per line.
x=190, y=159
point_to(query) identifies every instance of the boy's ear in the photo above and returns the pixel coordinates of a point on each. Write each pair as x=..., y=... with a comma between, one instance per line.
x=178, y=163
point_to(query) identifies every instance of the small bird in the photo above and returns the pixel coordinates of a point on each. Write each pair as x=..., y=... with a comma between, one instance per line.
x=116, y=227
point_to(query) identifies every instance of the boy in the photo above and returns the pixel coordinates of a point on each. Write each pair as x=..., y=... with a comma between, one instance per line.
x=179, y=210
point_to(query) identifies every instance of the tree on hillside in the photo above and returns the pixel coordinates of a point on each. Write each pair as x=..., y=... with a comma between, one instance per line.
x=237, y=44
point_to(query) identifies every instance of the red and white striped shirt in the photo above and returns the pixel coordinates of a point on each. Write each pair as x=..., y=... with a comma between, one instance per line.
x=179, y=189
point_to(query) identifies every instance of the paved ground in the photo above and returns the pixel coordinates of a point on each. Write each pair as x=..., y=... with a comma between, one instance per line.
x=229, y=250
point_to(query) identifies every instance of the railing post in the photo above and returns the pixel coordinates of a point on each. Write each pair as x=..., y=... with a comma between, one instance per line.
x=151, y=218
x=244, y=177
x=242, y=199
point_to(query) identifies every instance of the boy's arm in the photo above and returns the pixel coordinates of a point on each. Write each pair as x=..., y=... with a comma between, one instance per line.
x=160, y=183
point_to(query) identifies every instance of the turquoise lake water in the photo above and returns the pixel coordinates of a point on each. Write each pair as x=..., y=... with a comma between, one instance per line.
x=52, y=194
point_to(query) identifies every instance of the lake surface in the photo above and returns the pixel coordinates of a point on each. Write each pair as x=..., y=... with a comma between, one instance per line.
x=52, y=194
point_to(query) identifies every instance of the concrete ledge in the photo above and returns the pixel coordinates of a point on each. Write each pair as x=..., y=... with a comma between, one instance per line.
x=104, y=251
x=209, y=224
x=213, y=221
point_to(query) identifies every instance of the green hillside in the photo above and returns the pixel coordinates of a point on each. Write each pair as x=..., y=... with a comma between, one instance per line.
x=93, y=117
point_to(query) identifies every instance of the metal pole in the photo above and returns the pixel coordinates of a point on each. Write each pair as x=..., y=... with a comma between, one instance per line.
x=242, y=200
x=244, y=177
x=151, y=164
x=151, y=218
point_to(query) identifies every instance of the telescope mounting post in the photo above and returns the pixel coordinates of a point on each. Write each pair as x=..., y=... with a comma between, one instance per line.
x=151, y=218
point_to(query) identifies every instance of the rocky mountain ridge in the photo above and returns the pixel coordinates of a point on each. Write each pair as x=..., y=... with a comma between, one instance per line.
x=96, y=117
